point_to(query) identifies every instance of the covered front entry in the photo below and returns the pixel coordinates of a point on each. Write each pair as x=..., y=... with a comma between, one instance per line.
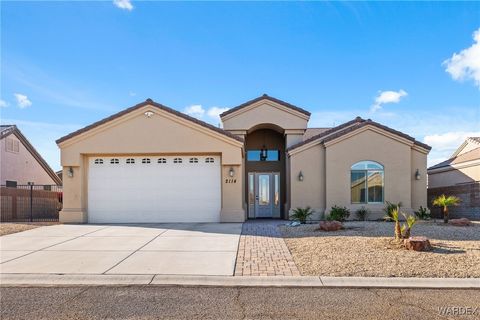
x=264, y=194
x=146, y=189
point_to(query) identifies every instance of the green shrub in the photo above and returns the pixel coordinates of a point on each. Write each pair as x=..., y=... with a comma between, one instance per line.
x=302, y=214
x=389, y=207
x=423, y=213
x=338, y=214
x=362, y=213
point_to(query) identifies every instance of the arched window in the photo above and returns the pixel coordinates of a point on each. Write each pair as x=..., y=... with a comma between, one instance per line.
x=193, y=160
x=177, y=160
x=209, y=160
x=145, y=160
x=98, y=161
x=114, y=161
x=366, y=182
x=130, y=161
x=162, y=160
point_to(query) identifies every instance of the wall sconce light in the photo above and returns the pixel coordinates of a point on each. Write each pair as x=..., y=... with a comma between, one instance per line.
x=417, y=175
x=300, y=176
x=70, y=172
x=231, y=172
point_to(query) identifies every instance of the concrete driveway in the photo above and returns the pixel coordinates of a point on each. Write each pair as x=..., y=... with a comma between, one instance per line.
x=175, y=249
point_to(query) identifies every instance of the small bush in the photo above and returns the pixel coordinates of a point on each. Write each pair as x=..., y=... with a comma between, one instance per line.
x=362, y=213
x=389, y=208
x=302, y=214
x=423, y=213
x=338, y=214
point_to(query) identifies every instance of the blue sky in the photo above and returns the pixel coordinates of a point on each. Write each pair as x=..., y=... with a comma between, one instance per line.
x=67, y=64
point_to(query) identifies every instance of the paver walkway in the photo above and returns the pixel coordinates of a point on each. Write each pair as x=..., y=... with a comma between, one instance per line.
x=263, y=252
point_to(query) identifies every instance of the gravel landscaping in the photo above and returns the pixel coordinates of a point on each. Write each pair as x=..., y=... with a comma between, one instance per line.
x=368, y=249
x=14, y=227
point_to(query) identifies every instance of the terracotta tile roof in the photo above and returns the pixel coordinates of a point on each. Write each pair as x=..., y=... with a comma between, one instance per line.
x=464, y=157
x=6, y=130
x=156, y=105
x=476, y=139
x=265, y=97
x=353, y=125
x=310, y=132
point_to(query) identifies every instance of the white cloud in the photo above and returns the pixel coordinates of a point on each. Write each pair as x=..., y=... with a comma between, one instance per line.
x=449, y=141
x=22, y=100
x=132, y=94
x=214, y=112
x=195, y=110
x=466, y=64
x=123, y=4
x=385, y=97
x=3, y=103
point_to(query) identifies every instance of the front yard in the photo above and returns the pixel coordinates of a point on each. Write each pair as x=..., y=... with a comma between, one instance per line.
x=367, y=249
x=14, y=227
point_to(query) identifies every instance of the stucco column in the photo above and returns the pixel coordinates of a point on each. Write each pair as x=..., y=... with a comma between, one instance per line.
x=74, y=195
x=232, y=194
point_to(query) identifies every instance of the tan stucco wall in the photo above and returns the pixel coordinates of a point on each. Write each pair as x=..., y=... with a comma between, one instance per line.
x=134, y=133
x=326, y=173
x=264, y=112
x=22, y=166
x=454, y=176
x=310, y=191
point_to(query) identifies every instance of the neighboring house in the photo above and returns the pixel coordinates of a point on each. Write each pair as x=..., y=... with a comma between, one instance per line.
x=459, y=176
x=20, y=163
x=150, y=163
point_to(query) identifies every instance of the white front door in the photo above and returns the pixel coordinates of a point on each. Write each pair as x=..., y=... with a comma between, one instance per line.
x=148, y=189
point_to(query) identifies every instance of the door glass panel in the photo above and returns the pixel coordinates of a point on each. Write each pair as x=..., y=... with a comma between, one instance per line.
x=251, y=192
x=276, y=189
x=264, y=189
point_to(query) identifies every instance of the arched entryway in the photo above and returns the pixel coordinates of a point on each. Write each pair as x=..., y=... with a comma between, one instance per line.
x=265, y=165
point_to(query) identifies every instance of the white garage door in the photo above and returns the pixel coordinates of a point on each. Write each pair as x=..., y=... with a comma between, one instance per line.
x=154, y=189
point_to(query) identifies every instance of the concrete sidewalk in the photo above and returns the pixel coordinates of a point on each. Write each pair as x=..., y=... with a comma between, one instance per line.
x=229, y=281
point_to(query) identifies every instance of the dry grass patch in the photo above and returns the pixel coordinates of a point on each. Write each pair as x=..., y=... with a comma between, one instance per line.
x=367, y=249
x=14, y=227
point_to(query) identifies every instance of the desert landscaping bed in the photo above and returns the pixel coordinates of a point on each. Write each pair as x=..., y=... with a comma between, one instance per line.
x=14, y=227
x=368, y=249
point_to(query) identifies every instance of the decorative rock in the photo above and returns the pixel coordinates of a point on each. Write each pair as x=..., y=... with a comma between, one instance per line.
x=330, y=225
x=417, y=244
x=462, y=222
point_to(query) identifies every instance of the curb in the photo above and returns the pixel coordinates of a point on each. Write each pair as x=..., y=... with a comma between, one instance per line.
x=7, y=280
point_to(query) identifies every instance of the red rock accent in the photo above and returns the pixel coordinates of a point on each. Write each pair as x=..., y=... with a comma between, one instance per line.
x=462, y=222
x=417, y=244
x=330, y=225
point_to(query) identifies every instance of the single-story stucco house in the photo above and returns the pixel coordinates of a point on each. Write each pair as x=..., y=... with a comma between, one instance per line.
x=150, y=163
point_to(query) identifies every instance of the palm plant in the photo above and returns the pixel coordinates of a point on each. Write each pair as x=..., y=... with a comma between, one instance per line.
x=411, y=220
x=444, y=202
x=397, y=228
x=389, y=207
x=302, y=214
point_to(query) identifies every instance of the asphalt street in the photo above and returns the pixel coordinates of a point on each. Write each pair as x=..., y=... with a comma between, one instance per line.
x=167, y=302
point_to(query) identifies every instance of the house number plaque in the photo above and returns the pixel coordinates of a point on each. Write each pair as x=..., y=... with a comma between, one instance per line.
x=230, y=180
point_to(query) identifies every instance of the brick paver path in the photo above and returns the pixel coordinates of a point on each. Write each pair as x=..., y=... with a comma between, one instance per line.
x=263, y=252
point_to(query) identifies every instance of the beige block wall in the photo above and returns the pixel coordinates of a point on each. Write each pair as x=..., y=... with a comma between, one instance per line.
x=310, y=191
x=134, y=133
x=368, y=145
x=454, y=176
x=22, y=166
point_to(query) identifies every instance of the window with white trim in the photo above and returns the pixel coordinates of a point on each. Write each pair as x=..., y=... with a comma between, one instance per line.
x=177, y=160
x=162, y=160
x=130, y=161
x=98, y=161
x=367, y=182
x=145, y=160
x=114, y=161
x=209, y=160
x=193, y=160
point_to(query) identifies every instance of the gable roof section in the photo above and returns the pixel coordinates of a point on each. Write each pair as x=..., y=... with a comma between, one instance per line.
x=7, y=130
x=351, y=126
x=265, y=97
x=149, y=102
x=474, y=140
x=464, y=157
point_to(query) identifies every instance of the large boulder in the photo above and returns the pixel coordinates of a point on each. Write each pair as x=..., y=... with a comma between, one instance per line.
x=330, y=225
x=417, y=244
x=462, y=222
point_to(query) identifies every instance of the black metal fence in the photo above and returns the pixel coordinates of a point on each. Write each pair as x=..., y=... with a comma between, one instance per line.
x=30, y=203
